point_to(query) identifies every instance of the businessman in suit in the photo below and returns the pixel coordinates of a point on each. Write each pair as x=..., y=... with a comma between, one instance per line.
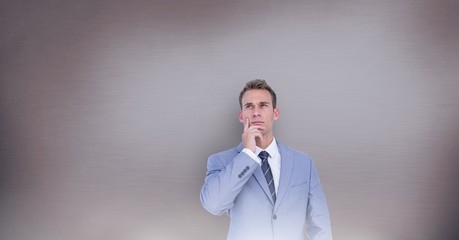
x=270, y=191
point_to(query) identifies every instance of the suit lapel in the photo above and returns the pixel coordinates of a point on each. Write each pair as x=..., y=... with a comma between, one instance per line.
x=260, y=177
x=285, y=174
x=262, y=181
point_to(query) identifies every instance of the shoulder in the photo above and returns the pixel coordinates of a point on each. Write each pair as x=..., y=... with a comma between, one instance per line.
x=229, y=152
x=292, y=151
x=226, y=155
x=299, y=157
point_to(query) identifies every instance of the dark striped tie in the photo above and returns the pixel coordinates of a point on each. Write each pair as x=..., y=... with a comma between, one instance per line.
x=267, y=172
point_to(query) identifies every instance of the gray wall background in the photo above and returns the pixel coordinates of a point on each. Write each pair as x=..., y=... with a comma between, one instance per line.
x=109, y=110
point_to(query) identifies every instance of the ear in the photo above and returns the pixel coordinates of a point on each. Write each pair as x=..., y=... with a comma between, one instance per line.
x=276, y=113
x=241, y=119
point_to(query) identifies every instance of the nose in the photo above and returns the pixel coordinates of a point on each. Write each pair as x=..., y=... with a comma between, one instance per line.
x=256, y=112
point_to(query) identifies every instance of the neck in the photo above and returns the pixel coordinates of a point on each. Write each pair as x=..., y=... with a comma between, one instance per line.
x=265, y=141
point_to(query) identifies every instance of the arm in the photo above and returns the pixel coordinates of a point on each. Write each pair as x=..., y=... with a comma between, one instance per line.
x=225, y=179
x=224, y=182
x=317, y=216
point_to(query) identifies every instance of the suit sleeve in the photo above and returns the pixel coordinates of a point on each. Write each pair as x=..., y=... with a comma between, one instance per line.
x=225, y=181
x=317, y=216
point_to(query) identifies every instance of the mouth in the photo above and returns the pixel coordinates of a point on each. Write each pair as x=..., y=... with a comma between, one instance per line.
x=257, y=123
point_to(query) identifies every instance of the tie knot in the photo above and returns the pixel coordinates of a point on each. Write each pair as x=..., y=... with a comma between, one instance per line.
x=263, y=155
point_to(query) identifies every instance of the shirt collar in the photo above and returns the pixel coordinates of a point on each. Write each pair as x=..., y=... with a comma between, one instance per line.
x=272, y=149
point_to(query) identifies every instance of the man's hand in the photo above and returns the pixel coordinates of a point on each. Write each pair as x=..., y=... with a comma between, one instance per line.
x=251, y=135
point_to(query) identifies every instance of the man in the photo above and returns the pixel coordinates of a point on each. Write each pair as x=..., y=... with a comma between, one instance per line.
x=269, y=191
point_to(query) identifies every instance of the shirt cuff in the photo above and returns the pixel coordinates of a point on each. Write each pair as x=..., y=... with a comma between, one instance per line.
x=252, y=155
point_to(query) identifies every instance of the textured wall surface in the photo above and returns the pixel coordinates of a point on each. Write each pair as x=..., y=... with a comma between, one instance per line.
x=109, y=110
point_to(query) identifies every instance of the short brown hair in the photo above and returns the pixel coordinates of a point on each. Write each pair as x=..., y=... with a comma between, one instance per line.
x=258, y=84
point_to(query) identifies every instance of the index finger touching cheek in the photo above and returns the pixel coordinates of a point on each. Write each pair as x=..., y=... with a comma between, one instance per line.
x=246, y=124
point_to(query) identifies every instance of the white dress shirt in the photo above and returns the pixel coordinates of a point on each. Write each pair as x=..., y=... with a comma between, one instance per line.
x=274, y=160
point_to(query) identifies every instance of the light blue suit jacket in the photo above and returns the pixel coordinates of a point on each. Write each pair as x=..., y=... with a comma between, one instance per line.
x=236, y=185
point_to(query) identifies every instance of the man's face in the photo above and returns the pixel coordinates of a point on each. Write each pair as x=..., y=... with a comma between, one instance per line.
x=257, y=106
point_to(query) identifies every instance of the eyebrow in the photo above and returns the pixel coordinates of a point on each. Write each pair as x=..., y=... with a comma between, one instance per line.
x=251, y=104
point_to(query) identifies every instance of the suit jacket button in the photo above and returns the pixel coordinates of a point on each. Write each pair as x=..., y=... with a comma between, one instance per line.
x=274, y=216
